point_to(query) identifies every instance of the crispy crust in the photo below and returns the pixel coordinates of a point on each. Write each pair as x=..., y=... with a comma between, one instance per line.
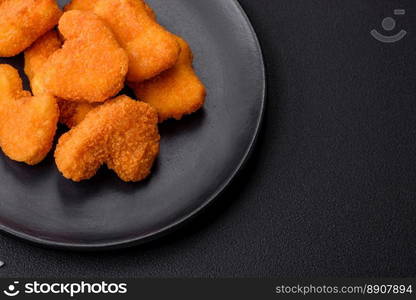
x=90, y=4
x=71, y=113
x=122, y=133
x=177, y=91
x=27, y=124
x=24, y=21
x=81, y=5
x=151, y=48
x=37, y=55
x=35, y=58
x=91, y=66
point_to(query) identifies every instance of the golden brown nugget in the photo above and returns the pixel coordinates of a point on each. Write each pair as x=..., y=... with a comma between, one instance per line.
x=71, y=113
x=91, y=66
x=81, y=5
x=122, y=133
x=90, y=4
x=27, y=124
x=177, y=91
x=151, y=48
x=23, y=21
x=35, y=58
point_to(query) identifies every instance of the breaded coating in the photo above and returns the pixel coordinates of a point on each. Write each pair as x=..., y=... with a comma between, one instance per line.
x=151, y=48
x=23, y=21
x=90, y=4
x=71, y=113
x=122, y=133
x=177, y=91
x=81, y=5
x=35, y=58
x=91, y=66
x=27, y=124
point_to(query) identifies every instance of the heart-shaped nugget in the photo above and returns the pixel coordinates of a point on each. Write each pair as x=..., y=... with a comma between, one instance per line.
x=175, y=92
x=71, y=113
x=91, y=66
x=23, y=21
x=151, y=48
x=122, y=133
x=27, y=124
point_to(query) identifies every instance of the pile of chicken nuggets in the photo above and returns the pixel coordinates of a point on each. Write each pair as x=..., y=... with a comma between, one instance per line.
x=77, y=61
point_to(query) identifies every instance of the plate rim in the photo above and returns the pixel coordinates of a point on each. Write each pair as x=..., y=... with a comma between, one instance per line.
x=156, y=234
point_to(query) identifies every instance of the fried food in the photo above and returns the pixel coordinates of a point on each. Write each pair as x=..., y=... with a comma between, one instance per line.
x=177, y=91
x=75, y=72
x=35, y=58
x=90, y=4
x=71, y=113
x=81, y=5
x=151, y=48
x=122, y=133
x=27, y=124
x=91, y=66
x=24, y=21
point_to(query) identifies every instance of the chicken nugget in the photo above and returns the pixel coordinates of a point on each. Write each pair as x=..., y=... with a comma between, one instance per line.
x=71, y=113
x=175, y=92
x=122, y=133
x=90, y=4
x=27, y=124
x=151, y=48
x=23, y=21
x=91, y=66
x=35, y=58
x=81, y=5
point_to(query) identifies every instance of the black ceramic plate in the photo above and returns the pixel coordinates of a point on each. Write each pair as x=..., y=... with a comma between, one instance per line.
x=199, y=155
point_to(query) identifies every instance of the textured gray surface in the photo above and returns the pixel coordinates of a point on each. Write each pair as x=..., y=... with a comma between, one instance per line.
x=330, y=189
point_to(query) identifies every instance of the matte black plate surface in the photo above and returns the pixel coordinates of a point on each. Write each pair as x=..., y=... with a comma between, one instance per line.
x=199, y=155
